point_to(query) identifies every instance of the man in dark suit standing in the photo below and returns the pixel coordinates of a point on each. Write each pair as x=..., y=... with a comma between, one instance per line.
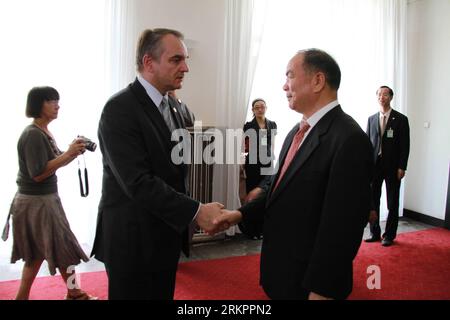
x=144, y=209
x=388, y=131
x=318, y=203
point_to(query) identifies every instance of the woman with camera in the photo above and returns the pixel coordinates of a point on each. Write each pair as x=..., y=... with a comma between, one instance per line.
x=40, y=227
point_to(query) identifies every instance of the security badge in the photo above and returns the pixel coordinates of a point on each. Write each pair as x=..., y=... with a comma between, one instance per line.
x=390, y=133
x=263, y=137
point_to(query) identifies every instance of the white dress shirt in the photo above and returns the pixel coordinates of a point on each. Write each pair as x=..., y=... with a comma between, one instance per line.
x=315, y=118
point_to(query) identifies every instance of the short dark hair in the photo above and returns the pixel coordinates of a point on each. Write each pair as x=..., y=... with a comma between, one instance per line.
x=150, y=42
x=391, y=92
x=36, y=98
x=257, y=100
x=318, y=60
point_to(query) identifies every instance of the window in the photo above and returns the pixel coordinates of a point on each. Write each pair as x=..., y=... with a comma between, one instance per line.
x=365, y=37
x=60, y=44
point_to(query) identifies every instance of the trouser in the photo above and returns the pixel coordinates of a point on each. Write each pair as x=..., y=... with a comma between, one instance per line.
x=253, y=179
x=392, y=194
x=298, y=294
x=139, y=285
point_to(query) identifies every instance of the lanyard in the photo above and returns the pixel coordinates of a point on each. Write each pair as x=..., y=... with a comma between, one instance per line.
x=84, y=189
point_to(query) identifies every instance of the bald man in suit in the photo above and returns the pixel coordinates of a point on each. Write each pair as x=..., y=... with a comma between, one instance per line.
x=317, y=205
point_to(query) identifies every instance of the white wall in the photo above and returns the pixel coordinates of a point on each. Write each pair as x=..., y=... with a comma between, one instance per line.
x=428, y=101
x=202, y=23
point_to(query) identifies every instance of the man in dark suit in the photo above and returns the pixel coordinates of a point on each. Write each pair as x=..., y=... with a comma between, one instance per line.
x=388, y=131
x=144, y=209
x=318, y=203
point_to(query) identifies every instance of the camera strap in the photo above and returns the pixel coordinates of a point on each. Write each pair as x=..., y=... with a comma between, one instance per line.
x=84, y=188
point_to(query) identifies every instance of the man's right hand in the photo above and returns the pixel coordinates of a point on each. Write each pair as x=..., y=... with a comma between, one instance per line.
x=207, y=214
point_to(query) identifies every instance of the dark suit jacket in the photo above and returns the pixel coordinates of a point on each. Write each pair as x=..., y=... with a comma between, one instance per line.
x=187, y=115
x=144, y=208
x=314, y=220
x=395, y=150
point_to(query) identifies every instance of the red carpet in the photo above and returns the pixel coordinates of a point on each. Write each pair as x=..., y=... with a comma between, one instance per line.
x=416, y=267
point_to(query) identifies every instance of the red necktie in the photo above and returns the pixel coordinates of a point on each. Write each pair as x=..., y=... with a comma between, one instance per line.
x=298, y=138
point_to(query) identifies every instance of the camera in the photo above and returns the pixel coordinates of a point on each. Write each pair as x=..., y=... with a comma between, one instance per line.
x=90, y=145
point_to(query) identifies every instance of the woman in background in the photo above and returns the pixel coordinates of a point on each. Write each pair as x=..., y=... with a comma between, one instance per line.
x=261, y=150
x=40, y=227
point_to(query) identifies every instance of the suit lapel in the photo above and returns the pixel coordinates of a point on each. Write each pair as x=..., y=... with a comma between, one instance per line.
x=153, y=113
x=392, y=120
x=374, y=133
x=305, y=151
x=376, y=123
x=158, y=122
x=175, y=111
x=282, y=157
x=179, y=124
x=311, y=143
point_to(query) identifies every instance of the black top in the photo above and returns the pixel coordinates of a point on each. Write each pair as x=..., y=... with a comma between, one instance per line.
x=314, y=219
x=262, y=134
x=262, y=145
x=35, y=149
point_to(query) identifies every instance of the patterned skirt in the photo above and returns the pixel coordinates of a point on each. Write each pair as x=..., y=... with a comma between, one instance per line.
x=41, y=232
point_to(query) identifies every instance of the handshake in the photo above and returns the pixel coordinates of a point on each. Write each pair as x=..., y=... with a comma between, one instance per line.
x=213, y=218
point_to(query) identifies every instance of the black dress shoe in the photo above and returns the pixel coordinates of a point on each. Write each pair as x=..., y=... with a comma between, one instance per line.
x=372, y=239
x=387, y=242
